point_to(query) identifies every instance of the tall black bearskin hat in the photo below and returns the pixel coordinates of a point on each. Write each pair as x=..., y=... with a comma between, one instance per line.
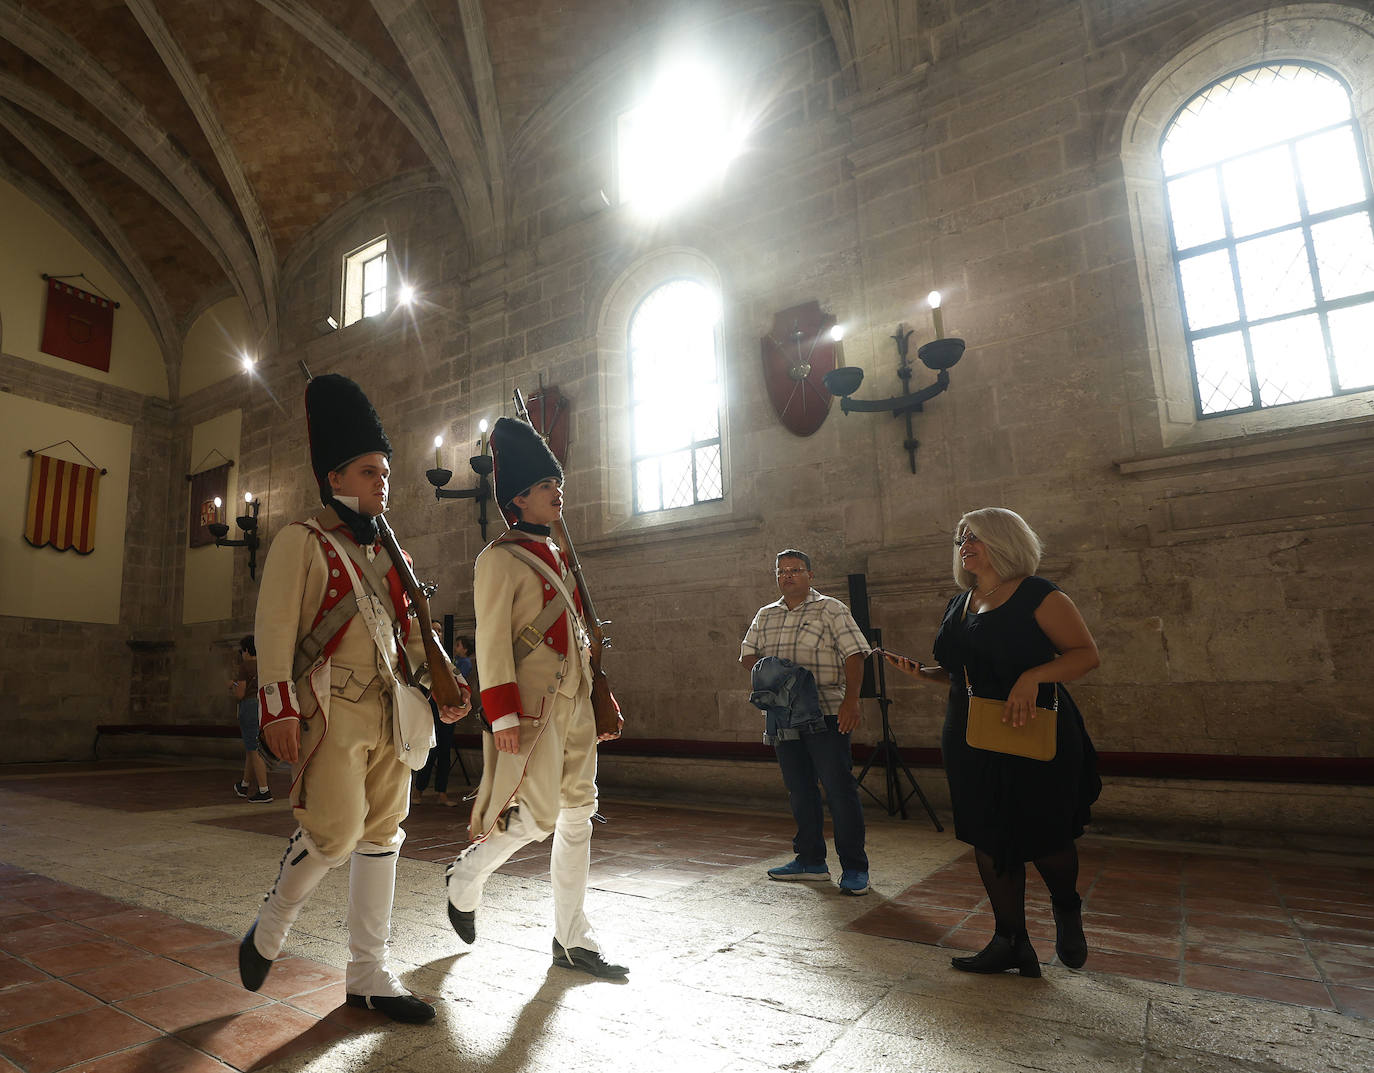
x=521, y=459
x=342, y=426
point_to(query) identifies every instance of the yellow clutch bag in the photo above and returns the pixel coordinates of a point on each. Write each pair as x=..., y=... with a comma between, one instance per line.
x=1037, y=740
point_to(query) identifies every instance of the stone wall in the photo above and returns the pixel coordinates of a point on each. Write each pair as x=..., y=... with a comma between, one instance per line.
x=1225, y=581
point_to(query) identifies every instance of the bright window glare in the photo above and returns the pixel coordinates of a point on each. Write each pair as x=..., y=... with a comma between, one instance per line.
x=675, y=397
x=678, y=141
x=1270, y=209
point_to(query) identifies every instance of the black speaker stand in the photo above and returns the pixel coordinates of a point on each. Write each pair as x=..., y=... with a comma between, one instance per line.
x=890, y=757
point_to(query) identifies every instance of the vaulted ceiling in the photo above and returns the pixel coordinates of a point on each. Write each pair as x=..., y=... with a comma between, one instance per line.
x=196, y=143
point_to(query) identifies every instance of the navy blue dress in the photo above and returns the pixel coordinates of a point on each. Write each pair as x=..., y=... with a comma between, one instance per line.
x=1010, y=807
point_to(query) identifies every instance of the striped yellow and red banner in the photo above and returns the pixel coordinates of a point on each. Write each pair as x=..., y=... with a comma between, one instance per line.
x=62, y=501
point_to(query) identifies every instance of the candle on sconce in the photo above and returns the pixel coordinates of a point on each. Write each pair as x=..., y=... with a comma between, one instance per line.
x=219, y=506
x=482, y=427
x=837, y=336
x=438, y=442
x=934, y=299
x=248, y=498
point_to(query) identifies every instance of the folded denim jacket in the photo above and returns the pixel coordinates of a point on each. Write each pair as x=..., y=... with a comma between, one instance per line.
x=787, y=692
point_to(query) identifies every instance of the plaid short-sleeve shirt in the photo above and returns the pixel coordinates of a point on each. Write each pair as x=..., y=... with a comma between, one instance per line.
x=820, y=635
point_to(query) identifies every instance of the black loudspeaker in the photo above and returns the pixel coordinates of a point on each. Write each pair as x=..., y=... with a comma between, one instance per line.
x=858, y=607
x=448, y=634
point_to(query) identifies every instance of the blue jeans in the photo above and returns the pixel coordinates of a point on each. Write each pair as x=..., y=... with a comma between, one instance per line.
x=823, y=758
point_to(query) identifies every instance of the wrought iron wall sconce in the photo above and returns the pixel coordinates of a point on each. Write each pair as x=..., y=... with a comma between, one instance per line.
x=248, y=522
x=481, y=464
x=939, y=355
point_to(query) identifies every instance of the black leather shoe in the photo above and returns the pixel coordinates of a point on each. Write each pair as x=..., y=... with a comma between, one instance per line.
x=253, y=967
x=1003, y=953
x=588, y=961
x=1069, y=941
x=405, y=1008
x=465, y=924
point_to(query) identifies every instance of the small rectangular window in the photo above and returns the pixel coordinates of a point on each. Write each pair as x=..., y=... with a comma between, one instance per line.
x=365, y=280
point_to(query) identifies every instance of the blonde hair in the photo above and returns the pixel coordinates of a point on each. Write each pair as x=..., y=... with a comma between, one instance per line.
x=1012, y=546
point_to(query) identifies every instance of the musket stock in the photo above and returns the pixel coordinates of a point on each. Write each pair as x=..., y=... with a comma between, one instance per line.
x=445, y=690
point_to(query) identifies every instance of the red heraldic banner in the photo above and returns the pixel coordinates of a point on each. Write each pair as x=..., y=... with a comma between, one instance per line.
x=78, y=326
x=62, y=501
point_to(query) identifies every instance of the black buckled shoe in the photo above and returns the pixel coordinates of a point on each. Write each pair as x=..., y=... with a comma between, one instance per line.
x=404, y=1008
x=588, y=961
x=253, y=967
x=464, y=923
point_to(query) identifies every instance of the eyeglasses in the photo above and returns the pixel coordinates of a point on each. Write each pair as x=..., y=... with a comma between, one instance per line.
x=793, y=572
x=960, y=541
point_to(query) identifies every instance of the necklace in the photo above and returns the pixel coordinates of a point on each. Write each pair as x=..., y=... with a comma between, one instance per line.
x=986, y=595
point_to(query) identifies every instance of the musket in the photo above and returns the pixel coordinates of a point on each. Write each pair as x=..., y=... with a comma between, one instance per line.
x=608, y=718
x=445, y=690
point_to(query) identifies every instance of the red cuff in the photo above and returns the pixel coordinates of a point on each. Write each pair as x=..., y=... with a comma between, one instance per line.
x=501, y=700
x=277, y=700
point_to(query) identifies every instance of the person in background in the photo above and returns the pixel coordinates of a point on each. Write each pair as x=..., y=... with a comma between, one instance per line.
x=441, y=756
x=1018, y=637
x=244, y=689
x=818, y=633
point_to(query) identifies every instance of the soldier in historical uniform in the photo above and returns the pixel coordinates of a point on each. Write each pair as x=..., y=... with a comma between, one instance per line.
x=332, y=631
x=539, y=762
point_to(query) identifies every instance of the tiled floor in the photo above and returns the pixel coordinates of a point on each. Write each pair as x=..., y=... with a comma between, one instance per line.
x=1194, y=950
x=1244, y=923
x=93, y=984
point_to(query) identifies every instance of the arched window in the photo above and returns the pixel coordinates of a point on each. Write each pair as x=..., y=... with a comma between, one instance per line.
x=1269, y=206
x=675, y=449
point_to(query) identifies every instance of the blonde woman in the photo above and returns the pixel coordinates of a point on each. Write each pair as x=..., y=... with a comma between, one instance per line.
x=1019, y=638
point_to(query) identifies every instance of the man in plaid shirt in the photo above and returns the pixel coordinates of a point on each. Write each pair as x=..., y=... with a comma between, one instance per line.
x=820, y=634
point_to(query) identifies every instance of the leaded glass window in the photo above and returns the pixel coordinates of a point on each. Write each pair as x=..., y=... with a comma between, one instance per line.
x=1269, y=206
x=675, y=398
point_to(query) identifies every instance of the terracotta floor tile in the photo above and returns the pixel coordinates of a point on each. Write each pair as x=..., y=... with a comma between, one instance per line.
x=1355, y=1000
x=133, y=976
x=260, y=1038
x=160, y=1056
x=1122, y=943
x=64, y=960
x=1234, y=939
x=214, y=959
x=158, y=933
x=1345, y=953
x=1255, y=925
x=911, y=923
x=294, y=976
x=1334, y=920
x=1136, y=966
x=23, y=918
x=57, y=1044
x=1258, y=985
x=1348, y=936
x=31, y=1003
x=1235, y=907
x=1337, y=972
x=45, y=937
x=14, y=972
x=1302, y=967
x=184, y=1005
x=76, y=904
x=321, y=1002
x=1133, y=924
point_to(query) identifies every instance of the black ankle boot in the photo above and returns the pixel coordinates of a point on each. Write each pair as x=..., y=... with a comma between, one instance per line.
x=1069, y=941
x=1003, y=953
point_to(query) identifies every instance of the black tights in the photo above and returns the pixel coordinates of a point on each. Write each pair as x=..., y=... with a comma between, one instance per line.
x=1007, y=890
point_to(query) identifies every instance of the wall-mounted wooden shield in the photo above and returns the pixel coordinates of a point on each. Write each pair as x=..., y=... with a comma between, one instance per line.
x=548, y=408
x=797, y=354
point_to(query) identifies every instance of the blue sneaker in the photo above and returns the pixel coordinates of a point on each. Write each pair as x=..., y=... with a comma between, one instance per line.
x=794, y=869
x=852, y=882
